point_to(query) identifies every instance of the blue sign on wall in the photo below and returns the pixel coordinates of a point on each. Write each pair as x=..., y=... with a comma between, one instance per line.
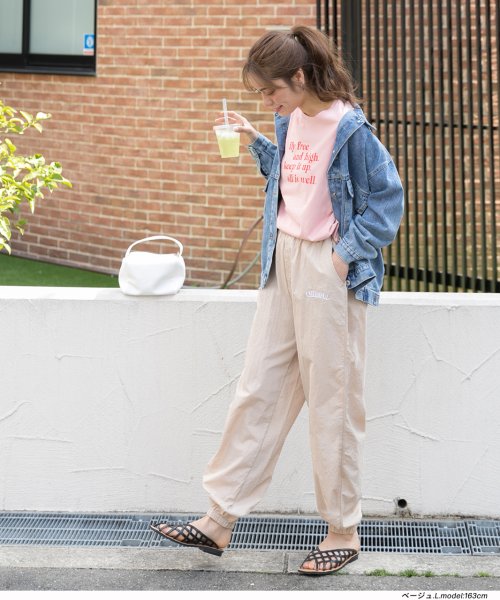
x=88, y=43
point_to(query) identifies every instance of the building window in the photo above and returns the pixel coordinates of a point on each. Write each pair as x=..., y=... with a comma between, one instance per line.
x=50, y=36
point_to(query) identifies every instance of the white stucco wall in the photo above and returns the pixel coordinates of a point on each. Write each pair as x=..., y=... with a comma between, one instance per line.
x=111, y=403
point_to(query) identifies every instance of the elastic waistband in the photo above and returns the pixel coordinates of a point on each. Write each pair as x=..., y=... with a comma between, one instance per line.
x=286, y=236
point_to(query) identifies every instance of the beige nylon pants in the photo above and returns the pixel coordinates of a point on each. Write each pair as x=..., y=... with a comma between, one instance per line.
x=307, y=342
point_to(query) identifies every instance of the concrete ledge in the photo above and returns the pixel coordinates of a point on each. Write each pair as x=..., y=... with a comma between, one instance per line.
x=94, y=377
x=115, y=295
x=445, y=300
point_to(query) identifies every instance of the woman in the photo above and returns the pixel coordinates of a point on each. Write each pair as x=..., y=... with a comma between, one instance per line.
x=333, y=200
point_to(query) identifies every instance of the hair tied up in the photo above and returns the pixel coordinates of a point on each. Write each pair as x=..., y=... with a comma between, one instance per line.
x=274, y=56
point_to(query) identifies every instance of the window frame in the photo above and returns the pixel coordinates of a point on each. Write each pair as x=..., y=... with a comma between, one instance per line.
x=65, y=64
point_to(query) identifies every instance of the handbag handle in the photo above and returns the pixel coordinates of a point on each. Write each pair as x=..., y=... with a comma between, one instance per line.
x=153, y=238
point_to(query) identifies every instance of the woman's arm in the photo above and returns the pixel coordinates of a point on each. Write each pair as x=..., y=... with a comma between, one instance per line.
x=378, y=225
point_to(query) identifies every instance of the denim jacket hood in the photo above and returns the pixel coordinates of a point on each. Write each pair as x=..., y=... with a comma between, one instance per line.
x=366, y=194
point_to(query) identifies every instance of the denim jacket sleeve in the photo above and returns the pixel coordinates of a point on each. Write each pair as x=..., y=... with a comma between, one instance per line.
x=377, y=225
x=263, y=152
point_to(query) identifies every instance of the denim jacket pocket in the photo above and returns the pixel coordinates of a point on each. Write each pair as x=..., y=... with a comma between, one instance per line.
x=362, y=207
x=359, y=198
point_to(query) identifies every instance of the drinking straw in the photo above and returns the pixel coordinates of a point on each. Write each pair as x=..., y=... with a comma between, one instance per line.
x=224, y=108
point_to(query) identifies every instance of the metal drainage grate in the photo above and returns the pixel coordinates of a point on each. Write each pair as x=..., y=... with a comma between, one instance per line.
x=484, y=536
x=436, y=537
x=278, y=534
x=431, y=537
x=59, y=529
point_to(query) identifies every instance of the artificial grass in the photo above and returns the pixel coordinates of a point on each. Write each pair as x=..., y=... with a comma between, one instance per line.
x=23, y=271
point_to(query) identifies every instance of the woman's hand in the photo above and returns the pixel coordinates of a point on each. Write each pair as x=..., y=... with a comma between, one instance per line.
x=340, y=266
x=244, y=126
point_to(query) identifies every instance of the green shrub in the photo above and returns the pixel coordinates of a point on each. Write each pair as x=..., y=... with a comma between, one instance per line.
x=23, y=179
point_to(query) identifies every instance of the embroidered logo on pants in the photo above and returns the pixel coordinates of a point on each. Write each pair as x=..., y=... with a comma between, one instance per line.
x=318, y=295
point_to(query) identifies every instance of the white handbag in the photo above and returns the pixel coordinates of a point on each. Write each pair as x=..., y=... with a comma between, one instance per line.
x=150, y=274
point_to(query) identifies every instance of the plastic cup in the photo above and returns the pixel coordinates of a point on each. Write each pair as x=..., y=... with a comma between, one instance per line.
x=228, y=139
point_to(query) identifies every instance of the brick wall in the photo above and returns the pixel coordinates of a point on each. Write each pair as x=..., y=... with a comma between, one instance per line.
x=137, y=140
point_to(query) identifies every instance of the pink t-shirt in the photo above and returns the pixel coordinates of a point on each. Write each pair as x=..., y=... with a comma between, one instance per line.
x=306, y=209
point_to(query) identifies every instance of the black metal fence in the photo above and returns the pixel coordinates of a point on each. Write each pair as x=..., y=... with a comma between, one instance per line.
x=428, y=72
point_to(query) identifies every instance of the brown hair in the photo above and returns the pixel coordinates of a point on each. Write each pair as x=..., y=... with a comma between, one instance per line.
x=280, y=54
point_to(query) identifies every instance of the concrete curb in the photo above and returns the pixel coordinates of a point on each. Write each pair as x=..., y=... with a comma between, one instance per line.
x=249, y=561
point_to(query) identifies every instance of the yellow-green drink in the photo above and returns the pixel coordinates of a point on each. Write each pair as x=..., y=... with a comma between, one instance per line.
x=229, y=140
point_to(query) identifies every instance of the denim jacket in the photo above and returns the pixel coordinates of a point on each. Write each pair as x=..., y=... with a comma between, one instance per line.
x=366, y=194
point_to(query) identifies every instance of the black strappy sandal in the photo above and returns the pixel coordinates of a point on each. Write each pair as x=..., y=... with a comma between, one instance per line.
x=337, y=559
x=191, y=536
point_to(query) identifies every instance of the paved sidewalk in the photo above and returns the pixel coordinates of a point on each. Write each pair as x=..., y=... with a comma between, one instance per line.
x=78, y=568
x=173, y=581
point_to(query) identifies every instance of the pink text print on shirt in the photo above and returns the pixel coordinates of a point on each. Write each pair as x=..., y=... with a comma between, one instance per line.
x=298, y=163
